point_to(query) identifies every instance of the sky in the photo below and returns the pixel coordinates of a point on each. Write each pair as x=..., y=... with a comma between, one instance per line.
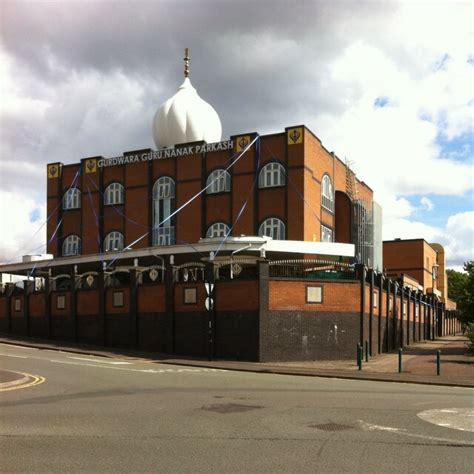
x=387, y=85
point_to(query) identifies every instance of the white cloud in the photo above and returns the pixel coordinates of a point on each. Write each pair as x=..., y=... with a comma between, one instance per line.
x=457, y=237
x=426, y=204
x=18, y=234
x=82, y=91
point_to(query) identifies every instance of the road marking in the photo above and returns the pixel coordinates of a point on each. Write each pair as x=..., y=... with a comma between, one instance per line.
x=372, y=427
x=402, y=431
x=35, y=380
x=145, y=371
x=101, y=361
x=454, y=418
x=19, y=347
x=11, y=355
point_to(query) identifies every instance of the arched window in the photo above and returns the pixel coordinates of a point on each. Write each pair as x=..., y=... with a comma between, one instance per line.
x=113, y=241
x=219, y=229
x=72, y=199
x=272, y=227
x=71, y=245
x=327, y=197
x=219, y=181
x=114, y=194
x=163, y=207
x=272, y=174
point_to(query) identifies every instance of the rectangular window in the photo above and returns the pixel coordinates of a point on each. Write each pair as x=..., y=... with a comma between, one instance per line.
x=326, y=234
x=118, y=299
x=404, y=308
x=314, y=294
x=60, y=302
x=390, y=304
x=190, y=295
x=416, y=311
x=375, y=298
x=17, y=304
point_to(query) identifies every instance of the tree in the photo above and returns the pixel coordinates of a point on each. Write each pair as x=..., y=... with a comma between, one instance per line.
x=461, y=290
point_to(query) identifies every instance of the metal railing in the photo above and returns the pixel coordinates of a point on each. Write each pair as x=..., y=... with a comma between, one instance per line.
x=312, y=269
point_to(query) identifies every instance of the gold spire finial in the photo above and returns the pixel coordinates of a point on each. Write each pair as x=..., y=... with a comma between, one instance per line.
x=186, y=62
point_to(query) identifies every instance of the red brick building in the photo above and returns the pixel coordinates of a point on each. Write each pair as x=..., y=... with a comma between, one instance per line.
x=421, y=261
x=288, y=177
x=253, y=248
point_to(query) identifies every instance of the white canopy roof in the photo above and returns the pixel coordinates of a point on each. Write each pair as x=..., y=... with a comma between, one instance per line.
x=259, y=245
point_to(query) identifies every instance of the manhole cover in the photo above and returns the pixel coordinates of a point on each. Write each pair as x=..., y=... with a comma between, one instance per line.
x=230, y=408
x=331, y=427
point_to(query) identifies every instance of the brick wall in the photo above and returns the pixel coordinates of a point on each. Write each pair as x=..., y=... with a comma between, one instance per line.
x=291, y=295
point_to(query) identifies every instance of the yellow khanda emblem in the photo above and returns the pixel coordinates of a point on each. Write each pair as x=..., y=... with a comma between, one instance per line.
x=241, y=143
x=53, y=171
x=295, y=136
x=91, y=166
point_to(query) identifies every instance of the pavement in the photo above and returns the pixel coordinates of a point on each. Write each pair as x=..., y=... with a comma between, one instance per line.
x=419, y=362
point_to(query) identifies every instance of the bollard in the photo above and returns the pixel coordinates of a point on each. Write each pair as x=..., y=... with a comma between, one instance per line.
x=359, y=356
x=400, y=365
x=438, y=362
x=367, y=351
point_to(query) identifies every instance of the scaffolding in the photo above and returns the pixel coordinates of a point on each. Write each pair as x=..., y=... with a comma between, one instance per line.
x=362, y=226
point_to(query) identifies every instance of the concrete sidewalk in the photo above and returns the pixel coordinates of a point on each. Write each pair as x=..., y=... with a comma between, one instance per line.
x=419, y=362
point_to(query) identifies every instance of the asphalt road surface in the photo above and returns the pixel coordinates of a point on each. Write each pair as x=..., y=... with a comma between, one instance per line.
x=95, y=414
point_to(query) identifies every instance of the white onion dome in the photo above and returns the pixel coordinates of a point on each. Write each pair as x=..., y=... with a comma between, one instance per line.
x=184, y=118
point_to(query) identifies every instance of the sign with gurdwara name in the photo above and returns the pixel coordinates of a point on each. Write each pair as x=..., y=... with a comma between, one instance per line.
x=166, y=153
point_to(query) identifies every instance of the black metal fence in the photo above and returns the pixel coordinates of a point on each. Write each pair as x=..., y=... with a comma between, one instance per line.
x=312, y=269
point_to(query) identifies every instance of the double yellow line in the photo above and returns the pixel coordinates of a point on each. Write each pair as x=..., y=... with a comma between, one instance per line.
x=31, y=381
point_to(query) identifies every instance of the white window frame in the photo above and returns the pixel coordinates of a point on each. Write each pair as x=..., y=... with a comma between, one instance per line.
x=272, y=227
x=326, y=234
x=218, y=182
x=114, y=194
x=61, y=302
x=113, y=241
x=71, y=246
x=117, y=299
x=163, y=207
x=218, y=229
x=72, y=199
x=314, y=294
x=327, y=195
x=271, y=175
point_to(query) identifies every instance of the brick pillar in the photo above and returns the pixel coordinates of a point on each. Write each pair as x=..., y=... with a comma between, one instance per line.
x=263, y=275
x=28, y=288
x=8, y=305
x=73, y=309
x=101, y=320
x=371, y=310
x=47, y=291
x=133, y=326
x=361, y=271
x=394, y=316
x=402, y=320
x=387, y=316
x=169, y=308
x=379, y=345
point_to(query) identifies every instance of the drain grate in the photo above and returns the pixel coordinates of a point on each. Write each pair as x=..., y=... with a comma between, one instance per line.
x=230, y=408
x=332, y=427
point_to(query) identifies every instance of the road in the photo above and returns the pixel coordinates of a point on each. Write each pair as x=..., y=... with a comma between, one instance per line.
x=95, y=414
